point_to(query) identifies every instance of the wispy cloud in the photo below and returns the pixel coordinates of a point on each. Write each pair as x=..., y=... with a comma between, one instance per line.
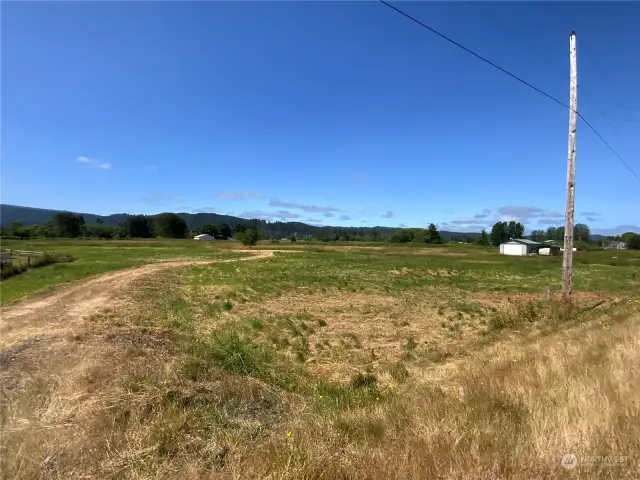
x=93, y=162
x=526, y=214
x=344, y=217
x=275, y=202
x=328, y=215
x=485, y=214
x=592, y=216
x=238, y=195
x=468, y=221
x=550, y=221
x=620, y=229
x=316, y=220
x=279, y=215
x=176, y=198
x=187, y=209
x=205, y=210
x=387, y=214
x=462, y=228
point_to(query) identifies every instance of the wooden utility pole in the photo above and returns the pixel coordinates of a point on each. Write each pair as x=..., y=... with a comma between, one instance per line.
x=567, y=259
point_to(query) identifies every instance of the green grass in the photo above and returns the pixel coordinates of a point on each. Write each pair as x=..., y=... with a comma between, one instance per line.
x=266, y=368
x=95, y=257
x=478, y=270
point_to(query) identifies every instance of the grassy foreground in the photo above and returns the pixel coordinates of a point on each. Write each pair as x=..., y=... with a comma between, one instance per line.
x=95, y=257
x=344, y=363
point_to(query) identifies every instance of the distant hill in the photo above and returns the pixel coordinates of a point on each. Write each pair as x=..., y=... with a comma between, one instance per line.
x=40, y=216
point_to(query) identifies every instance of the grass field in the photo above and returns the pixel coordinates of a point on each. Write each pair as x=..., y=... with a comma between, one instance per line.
x=366, y=362
x=95, y=257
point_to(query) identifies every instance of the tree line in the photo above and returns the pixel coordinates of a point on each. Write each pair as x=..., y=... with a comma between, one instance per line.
x=418, y=235
x=581, y=233
x=72, y=225
x=172, y=225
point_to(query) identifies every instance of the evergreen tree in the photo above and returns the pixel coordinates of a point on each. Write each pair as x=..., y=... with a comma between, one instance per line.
x=433, y=235
x=482, y=239
x=68, y=224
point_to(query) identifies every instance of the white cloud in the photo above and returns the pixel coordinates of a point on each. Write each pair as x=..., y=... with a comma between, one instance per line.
x=279, y=215
x=238, y=195
x=485, y=213
x=526, y=214
x=620, y=229
x=453, y=227
x=550, y=221
x=468, y=221
x=274, y=202
x=387, y=214
x=205, y=210
x=94, y=162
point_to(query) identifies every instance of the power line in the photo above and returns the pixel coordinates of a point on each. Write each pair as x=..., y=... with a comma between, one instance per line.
x=514, y=34
x=515, y=77
x=480, y=57
x=609, y=147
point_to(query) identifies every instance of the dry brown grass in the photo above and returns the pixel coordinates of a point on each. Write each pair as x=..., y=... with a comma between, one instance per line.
x=411, y=385
x=114, y=403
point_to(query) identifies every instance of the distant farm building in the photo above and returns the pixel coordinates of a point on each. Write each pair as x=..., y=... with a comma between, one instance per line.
x=521, y=247
x=549, y=250
x=203, y=236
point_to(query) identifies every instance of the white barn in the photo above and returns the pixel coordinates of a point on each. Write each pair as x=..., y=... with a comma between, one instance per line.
x=203, y=236
x=519, y=246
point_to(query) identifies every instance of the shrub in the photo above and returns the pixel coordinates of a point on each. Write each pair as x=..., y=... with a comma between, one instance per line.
x=39, y=261
x=248, y=237
x=634, y=242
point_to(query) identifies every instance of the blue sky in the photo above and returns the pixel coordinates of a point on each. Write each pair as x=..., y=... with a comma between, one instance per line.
x=339, y=113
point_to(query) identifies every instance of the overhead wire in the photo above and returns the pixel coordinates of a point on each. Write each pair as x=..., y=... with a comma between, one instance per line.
x=514, y=34
x=515, y=77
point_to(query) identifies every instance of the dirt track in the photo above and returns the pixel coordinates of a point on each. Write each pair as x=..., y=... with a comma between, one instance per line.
x=67, y=306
